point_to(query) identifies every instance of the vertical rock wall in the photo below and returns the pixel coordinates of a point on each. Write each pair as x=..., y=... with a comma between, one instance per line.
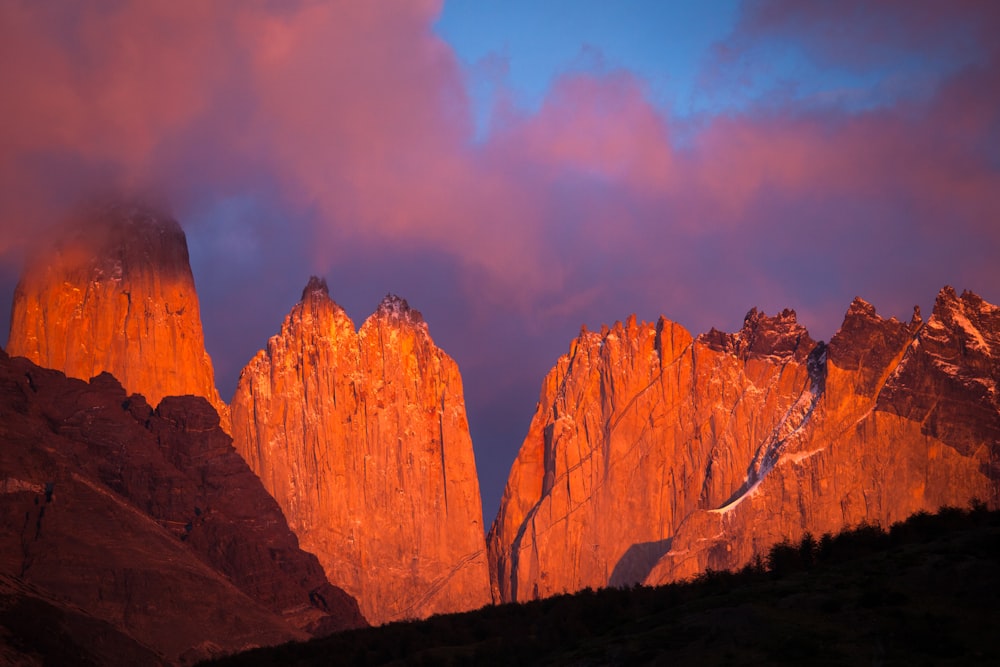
x=362, y=438
x=113, y=292
x=654, y=455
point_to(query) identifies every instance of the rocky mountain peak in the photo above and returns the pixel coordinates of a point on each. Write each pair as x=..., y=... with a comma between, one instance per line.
x=976, y=303
x=946, y=298
x=111, y=242
x=860, y=308
x=968, y=305
x=395, y=308
x=362, y=438
x=112, y=290
x=867, y=344
x=316, y=314
x=780, y=336
x=967, y=320
x=652, y=461
x=316, y=288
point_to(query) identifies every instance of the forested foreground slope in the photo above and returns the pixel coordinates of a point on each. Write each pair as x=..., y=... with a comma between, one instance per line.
x=922, y=592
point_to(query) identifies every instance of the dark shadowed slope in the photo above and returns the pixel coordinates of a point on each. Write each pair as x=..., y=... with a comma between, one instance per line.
x=922, y=594
x=146, y=524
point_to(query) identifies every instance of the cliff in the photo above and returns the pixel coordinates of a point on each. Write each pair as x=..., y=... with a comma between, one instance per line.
x=362, y=438
x=112, y=291
x=653, y=456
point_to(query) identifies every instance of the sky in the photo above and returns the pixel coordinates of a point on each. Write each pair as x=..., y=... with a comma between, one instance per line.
x=518, y=169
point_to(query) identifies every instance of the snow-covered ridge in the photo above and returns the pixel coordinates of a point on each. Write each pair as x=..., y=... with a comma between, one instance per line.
x=968, y=319
x=973, y=336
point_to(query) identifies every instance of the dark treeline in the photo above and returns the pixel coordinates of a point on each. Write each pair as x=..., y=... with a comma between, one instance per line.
x=922, y=592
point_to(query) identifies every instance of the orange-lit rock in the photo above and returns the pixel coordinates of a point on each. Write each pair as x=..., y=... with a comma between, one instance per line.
x=114, y=293
x=653, y=456
x=362, y=438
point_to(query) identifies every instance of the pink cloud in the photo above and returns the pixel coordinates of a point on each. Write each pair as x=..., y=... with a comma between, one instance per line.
x=344, y=132
x=601, y=126
x=354, y=116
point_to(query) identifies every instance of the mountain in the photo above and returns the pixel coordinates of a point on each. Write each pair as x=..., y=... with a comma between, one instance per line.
x=148, y=521
x=112, y=291
x=361, y=437
x=654, y=455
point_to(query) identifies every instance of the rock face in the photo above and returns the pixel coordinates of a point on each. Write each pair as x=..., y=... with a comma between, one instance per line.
x=653, y=456
x=141, y=536
x=114, y=293
x=362, y=438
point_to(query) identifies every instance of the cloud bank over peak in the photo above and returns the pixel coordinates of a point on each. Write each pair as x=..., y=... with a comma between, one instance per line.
x=339, y=139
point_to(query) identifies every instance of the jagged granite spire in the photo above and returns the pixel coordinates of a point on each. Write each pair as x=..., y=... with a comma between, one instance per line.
x=396, y=309
x=652, y=456
x=362, y=438
x=315, y=288
x=761, y=335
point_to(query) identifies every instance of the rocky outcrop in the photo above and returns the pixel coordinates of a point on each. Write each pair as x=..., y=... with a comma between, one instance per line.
x=362, y=438
x=145, y=527
x=113, y=292
x=653, y=456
